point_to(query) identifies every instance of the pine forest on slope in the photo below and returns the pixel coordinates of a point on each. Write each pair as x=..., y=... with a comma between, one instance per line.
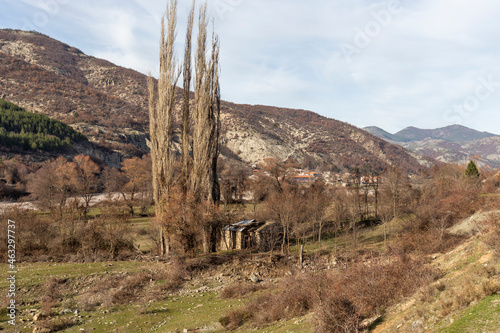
x=30, y=131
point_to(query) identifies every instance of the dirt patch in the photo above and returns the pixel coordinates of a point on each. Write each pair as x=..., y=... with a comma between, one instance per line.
x=473, y=224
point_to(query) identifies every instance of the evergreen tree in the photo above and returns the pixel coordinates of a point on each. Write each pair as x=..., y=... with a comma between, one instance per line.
x=471, y=170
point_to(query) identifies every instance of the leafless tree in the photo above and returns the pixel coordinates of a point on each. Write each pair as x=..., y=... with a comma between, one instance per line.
x=84, y=172
x=233, y=176
x=161, y=116
x=161, y=108
x=259, y=188
x=186, y=114
x=287, y=207
x=52, y=184
x=207, y=113
x=318, y=201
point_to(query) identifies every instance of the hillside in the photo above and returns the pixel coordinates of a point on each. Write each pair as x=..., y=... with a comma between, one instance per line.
x=451, y=144
x=108, y=104
x=466, y=296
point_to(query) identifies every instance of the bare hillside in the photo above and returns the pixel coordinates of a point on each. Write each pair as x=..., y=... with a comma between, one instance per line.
x=108, y=103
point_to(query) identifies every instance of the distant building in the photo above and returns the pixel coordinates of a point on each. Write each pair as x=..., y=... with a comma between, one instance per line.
x=303, y=178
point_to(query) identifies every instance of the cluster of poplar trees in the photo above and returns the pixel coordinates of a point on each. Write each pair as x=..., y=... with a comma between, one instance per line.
x=192, y=175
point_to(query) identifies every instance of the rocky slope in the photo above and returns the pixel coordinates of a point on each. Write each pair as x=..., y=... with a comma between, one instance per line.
x=108, y=104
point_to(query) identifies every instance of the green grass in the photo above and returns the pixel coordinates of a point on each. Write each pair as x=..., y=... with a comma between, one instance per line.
x=174, y=313
x=30, y=274
x=369, y=238
x=141, y=226
x=481, y=317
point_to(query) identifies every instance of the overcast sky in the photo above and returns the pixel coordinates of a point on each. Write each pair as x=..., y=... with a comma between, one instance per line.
x=392, y=64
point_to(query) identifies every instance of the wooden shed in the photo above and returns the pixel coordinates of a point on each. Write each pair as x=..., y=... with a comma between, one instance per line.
x=250, y=234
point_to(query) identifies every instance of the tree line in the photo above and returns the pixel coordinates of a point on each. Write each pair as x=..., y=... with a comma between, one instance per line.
x=64, y=191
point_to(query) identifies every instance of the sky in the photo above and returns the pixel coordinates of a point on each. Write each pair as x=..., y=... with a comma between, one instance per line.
x=391, y=64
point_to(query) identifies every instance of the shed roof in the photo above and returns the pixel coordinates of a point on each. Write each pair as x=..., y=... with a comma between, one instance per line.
x=242, y=225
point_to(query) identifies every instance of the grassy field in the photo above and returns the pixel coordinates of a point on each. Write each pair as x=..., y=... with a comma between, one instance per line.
x=195, y=308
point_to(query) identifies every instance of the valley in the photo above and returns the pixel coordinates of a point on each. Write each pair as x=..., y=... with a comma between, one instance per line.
x=326, y=227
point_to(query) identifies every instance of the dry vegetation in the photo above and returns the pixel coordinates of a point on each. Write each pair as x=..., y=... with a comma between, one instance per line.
x=352, y=278
x=341, y=300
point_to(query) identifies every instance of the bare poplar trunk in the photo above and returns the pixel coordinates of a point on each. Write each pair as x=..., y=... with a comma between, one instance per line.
x=319, y=233
x=162, y=242
x=185, y=104
x=206, y=121
x=161, y=106
x=301, y=255
x=385, y=236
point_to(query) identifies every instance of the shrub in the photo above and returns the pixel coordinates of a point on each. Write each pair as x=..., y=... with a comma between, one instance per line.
x=340, y=299
x=337, y=315
x=56, y=324
x=240, y=289
x=173, y=275
x=128, y=290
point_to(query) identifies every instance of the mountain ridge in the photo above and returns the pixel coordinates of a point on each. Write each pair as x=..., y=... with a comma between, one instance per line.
x=450, y=144
x=452, y=133
x=108, y=104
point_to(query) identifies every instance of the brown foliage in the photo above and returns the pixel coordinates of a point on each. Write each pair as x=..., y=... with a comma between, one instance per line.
x=233, y=176
x=340, y=299
x=288, y=207
x=83, y=173
x=192, y=225
x=40, y=236
x=56, y=324
x=240, y=289
x=128, y=288
x=445, y=199
x=34, y=234
x=52, y=295
x=52, y=184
